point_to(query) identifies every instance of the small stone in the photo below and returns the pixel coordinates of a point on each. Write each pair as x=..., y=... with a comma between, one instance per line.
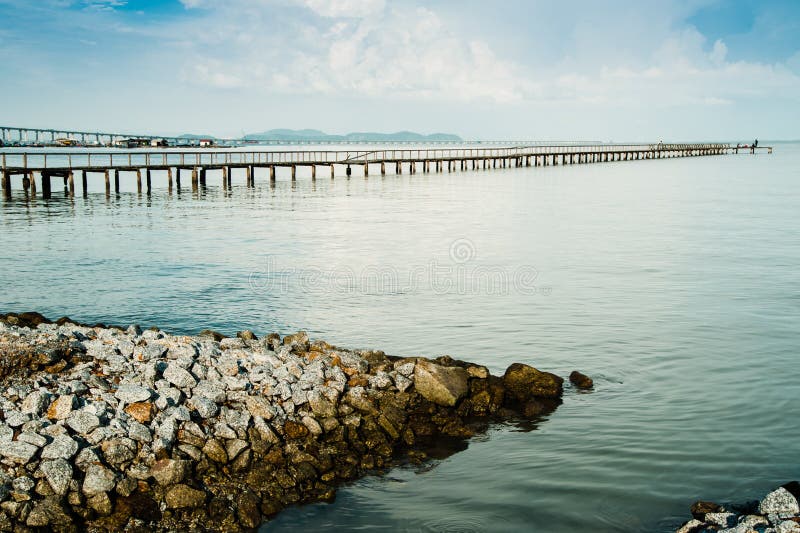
x=294, y=430
x=118, y=450
x=259, y=406
x=723, y=520
x=62, y=407
x=142, y=412
x=212, y=390
x=313, y=426
x=227, y=365
x=179, y=377
x=83, y=422
x=184, y=496
x=692, y=526
x=402, y=382
x=406, y=369
x=779, y=501
x=169, y=471
x=700, y=508
x=101, y=503
x=215, y=451
x=246, y=335
x=98, y=479
x=34, y=403
x=48, y=513
x=139, y=432
x=129, y=393
x=581, y=381
x=15, y=419
x=479, y=372
x=58, y=473
x=439, y=384
x=205, y=408
x=63, y=447
x=32, y=438
x=320, y=405
x=234, y=447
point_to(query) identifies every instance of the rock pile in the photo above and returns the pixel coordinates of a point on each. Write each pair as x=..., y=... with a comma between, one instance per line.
x=109, y=429
x=778, y=512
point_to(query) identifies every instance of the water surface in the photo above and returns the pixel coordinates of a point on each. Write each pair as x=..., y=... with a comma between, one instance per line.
x=674, y=283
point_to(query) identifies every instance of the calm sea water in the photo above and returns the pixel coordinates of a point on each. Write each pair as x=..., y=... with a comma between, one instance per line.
x=674, y=283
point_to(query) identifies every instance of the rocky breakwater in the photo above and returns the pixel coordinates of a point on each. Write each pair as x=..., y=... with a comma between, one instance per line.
x=777, y=512
x=108, y=429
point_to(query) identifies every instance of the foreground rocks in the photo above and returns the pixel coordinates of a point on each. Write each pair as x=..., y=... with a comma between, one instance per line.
x=777, y=512
x=106, y=429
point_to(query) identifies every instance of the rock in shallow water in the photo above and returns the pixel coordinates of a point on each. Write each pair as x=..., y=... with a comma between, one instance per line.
x=439, y=384
x=524, y=382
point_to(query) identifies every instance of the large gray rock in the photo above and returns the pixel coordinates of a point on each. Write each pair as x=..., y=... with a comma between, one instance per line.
x=321, y=405
x=83, y=422
x=58, y=473
x=98, y=479
x=18, y=452
x=34, y=403
x=259, y=406
x=205, y=407
x=179, y=377
x=779, y=501
x=63, y=447
x=441, y=385
x=130, y=393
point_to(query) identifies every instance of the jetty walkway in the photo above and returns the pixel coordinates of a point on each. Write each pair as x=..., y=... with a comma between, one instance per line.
x=172, y=164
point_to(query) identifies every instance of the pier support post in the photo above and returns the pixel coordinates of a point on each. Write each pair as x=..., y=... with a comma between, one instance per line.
x=413, y=169
x=107, y=178
x=116, y=181
x=332, y=172
x=294, y=172
x=149, y=183
x=47, y=185
x=83, y=183
x=139, y=180
x=169, y=178
x=178, y=178
x=33, y=183
x=203, y=177
x=272, y=173
x=398, y=168
x=313, y=172
x=383, y=168
x=26, y=183
x=348, y=171
x=6, y=184
x=71, y=183
x=366, y=170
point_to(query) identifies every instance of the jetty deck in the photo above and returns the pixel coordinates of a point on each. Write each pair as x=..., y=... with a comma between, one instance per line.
x=142, y=164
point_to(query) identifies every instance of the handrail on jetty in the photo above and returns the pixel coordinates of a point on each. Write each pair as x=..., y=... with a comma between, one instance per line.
x=64, y=163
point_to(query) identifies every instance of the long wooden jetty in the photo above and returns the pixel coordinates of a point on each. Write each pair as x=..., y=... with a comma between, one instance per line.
x=112, y=164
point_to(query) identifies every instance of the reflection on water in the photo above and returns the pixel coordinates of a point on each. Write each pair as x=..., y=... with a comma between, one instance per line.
x=673, y=283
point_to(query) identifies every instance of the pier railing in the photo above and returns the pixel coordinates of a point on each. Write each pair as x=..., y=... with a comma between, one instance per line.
x=119, y=159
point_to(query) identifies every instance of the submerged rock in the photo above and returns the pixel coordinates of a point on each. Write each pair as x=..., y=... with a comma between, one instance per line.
x=582, y=381
x=523, y=382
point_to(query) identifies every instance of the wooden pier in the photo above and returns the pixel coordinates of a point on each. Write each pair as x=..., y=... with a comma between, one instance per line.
x=195, y=165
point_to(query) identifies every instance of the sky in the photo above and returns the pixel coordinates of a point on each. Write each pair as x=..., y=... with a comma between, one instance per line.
x=622, y=70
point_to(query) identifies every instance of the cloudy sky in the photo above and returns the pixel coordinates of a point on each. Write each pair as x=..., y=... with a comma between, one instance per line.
x=514, y=69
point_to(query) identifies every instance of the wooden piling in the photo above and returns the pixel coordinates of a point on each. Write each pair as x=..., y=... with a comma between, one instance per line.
x=169, y=178
x=33, y=183
x=294, y=172
x=366, y=170
x=272, y=173
x=383, y=168
x=149, y=183
x=332, y=172
x=107, y=176
x=83, y=183
x=178, y=178
x=313, y=172
x=348, y=171
x=6, y=183
x=139, y=180
x=47, y=185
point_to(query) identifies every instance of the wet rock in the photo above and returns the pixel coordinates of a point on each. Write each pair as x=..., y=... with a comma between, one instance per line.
x=184, y=496
x=48, y=513
x=211, y=334
x=294, y=430
x=581, y=381
x=524, y=382
x=246, y=335
x=215, y=451
x=440, y=385
x=700, y=508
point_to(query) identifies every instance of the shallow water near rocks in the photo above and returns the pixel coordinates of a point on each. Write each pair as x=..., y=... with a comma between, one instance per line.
x=673, y=283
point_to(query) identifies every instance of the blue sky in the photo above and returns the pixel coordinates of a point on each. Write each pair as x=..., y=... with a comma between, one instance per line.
x=621, y=70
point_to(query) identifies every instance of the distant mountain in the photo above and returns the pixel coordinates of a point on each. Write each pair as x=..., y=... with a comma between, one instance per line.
x=316, y=135
x=195, y=137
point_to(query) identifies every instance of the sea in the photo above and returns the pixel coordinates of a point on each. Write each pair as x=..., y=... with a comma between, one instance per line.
x=674, y=284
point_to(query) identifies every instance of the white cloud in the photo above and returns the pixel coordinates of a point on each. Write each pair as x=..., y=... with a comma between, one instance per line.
x=345, y=8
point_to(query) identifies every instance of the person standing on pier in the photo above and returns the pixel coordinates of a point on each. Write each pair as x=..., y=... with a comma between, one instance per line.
x=754, y=146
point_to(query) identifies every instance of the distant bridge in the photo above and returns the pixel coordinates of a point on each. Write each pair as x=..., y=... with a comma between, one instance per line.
x=15, y=135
